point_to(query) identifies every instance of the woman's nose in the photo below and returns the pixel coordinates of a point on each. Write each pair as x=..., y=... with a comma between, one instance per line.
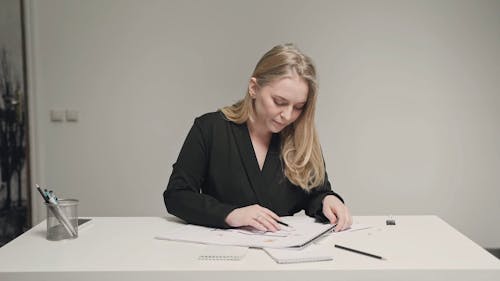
x=286, y=114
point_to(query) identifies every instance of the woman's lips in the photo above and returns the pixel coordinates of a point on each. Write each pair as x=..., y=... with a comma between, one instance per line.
x=278, y=123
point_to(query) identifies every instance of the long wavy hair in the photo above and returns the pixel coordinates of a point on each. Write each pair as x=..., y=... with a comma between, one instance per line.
x=300, y=149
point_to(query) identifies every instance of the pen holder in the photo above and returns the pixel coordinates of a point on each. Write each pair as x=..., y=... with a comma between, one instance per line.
x=62, y=220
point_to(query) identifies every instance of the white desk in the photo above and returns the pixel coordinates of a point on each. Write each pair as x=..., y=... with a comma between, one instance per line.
x=123, y=248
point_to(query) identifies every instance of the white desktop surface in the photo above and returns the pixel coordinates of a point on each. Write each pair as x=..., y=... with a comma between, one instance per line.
x=124, y=248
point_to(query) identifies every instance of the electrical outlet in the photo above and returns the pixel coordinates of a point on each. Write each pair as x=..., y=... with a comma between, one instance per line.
x=72, y=115
x=56, y=115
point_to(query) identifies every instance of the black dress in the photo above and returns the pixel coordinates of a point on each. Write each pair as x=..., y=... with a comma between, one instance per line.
x=217, y=171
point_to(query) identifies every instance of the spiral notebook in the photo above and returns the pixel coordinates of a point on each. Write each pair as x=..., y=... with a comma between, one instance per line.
x=223, y=253
x=311, y=253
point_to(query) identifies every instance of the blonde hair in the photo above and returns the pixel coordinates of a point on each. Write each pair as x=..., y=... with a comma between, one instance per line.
x=300, y=148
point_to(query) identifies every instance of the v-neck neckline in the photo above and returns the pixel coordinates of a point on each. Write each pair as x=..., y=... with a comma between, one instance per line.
x=271, y=148
x=256, y=159
x=258, y=179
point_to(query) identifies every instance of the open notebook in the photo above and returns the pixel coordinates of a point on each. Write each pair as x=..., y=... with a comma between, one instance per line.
x=313, y=252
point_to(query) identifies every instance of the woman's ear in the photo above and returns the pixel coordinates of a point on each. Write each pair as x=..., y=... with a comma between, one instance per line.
x=253, y=87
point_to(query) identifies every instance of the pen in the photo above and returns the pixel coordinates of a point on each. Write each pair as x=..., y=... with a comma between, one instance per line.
x=359, y=252
x=41, y=193
x=282, y=223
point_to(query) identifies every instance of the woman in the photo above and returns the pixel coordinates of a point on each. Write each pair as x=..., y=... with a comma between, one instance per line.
x=260, y=158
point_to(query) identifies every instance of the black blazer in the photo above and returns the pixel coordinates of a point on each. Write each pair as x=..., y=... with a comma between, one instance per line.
x=217, y=171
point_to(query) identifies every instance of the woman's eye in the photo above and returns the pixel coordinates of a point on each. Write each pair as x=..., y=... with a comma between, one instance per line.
x=279, y=103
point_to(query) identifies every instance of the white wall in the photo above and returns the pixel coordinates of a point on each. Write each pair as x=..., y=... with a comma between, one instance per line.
x=408, y=110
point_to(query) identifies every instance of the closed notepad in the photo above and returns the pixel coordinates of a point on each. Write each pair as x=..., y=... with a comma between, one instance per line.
x=311, y=253
x=216, y=252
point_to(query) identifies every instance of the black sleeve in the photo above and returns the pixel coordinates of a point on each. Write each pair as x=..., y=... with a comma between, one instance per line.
x=314, y=207
x=183, y=197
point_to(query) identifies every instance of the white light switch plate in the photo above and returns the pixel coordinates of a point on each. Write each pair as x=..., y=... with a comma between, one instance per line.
x=56, y=115
x=71, y=115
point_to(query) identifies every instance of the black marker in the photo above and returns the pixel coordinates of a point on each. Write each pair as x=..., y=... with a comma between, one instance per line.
x=359, y=252
x=41, y=193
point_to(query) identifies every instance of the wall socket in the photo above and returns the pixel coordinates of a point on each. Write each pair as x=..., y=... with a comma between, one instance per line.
x=56, y=115
x=61, y=115
x=72, y=115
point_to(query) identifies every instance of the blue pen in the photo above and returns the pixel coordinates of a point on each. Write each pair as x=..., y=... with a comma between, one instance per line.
x=50, y=197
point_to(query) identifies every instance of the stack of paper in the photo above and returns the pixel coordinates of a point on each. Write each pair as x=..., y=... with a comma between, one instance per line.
x=289, y=245
x=303, y=231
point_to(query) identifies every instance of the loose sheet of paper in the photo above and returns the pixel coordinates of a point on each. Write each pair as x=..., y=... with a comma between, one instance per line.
x=302, y=230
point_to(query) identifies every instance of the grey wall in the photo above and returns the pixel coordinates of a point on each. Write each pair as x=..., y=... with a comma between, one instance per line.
x=408, y=108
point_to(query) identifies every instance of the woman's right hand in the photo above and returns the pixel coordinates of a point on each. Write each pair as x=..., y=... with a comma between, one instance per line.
x=255, y=216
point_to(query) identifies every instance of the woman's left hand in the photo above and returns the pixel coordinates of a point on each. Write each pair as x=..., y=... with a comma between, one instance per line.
x=337, y=212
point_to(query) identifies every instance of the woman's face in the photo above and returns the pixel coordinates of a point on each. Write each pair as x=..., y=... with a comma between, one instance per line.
x=279, y=103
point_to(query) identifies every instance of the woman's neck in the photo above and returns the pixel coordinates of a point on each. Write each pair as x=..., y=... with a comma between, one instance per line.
x=259, y=132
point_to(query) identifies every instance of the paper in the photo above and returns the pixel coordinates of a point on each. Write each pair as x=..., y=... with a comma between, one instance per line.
x=302, y=230
x=310, y=253
x=354, y=227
